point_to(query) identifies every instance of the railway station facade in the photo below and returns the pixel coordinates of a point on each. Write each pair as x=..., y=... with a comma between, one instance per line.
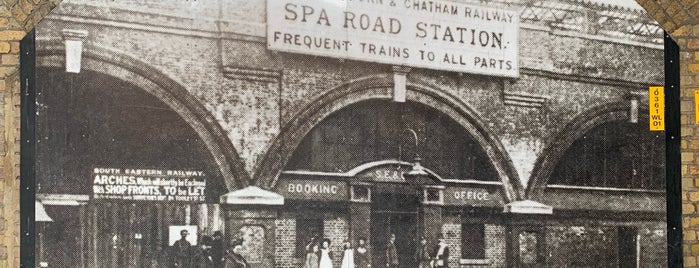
x=543, y=159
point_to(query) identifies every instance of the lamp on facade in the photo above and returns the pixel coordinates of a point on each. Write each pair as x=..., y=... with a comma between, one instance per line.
x=73, y=40
x=634, y=99
x=417, y=174
x=40, y=214
x=399, y=83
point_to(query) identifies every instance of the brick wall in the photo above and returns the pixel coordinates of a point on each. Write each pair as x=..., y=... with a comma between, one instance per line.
x=583, y=243
x=581, y=246
x=680, y=18
x=285, y=242
x=495, y=244
x=495, y=241
x=335, y=227
x=16, y=17
x=452, y=237
x=337, y=230
x=523, y=131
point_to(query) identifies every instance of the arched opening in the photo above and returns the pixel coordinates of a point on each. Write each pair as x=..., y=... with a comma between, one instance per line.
x=51, y=54
x=379, y=87
x=371, y=142
x=614, y=154
x=376, y=130
x=604, y=170
x=92, y=120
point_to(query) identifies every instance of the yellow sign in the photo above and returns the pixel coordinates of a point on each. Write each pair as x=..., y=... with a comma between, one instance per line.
x=696, y=106
x=656, y=98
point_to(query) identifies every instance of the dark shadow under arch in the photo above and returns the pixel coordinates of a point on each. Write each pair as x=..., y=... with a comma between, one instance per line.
x=380, y=87
x=559, y=143
x=170, y=92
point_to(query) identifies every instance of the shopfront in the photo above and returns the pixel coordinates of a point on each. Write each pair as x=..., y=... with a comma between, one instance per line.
x=373, y=145
x=112, y=195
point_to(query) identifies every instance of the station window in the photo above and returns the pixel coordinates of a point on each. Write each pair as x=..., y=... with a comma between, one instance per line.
x=472, y=241
x=361, y=193
x=434, y=195
x=376, y=130
x=306, y=229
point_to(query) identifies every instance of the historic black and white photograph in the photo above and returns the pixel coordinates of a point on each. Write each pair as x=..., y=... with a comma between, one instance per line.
x=350, y=134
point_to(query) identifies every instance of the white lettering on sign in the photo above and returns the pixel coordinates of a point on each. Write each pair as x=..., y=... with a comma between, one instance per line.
x=472, y=195
x=388, y=175
x=149, y=184
x=311, y=188
x=428, y=34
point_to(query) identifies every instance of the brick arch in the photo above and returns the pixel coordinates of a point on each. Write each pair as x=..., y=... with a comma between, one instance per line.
x=170, y=92
x=381, y=87
x=675, y=16
x=559, y=143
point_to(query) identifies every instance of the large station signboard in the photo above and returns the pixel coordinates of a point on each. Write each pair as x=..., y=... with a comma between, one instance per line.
x=148, y=184
x=431, y=34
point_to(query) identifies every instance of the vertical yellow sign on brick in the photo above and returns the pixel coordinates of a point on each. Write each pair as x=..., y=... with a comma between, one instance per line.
x=696, y=106
x=656, y=98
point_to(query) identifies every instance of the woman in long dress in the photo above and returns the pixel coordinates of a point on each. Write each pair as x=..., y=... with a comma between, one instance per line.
x=325, y=255
x=361, y=258
x=348, y=256
x=311, y=255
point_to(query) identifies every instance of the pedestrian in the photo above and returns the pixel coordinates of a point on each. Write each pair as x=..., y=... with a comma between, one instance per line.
x=361, y=255
x=391, y=252
x=422, y=254
x=183, y=251
x=203, y=257
x=347, y=256
x=441, y=253
x=325, y=255
x=234, y=258
x=217, y=249
x=312, y=253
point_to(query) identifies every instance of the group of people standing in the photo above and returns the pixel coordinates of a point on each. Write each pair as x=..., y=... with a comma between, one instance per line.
x=319, y=255
x=209, y=253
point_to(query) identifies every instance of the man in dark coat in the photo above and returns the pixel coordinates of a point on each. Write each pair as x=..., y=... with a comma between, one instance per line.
x=217, y=249
x=233, y=257
x=203, y=257
x=183, y=251
x=391, y=252
x=441, y=253
x=422, y=254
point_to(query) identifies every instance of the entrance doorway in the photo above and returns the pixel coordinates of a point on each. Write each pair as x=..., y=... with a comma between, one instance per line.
x=628, y=247
x=395, y=213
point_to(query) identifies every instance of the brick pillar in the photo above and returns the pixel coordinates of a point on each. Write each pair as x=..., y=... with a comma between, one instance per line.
x=533, y=226
x=431, y=223
x=360, y=222
x=245, y=222
x=681, y=20
x=251, y=214
x=16, y=18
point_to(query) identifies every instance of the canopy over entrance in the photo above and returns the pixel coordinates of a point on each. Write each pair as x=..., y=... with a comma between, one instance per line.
x=252, y=195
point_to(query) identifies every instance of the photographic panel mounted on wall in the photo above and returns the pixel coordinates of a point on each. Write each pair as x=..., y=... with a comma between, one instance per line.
x=347, y=133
